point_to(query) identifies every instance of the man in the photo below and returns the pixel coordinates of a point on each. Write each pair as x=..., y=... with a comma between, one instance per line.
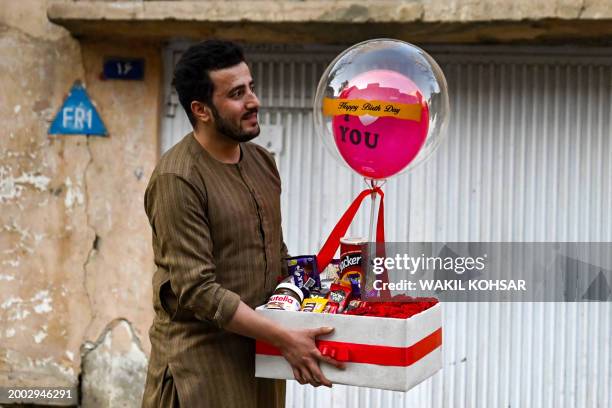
x=213, y=203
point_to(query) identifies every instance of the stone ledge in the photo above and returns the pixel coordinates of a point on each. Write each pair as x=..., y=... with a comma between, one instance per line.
x=343, y=11
x=335, y=22
x=331, y=11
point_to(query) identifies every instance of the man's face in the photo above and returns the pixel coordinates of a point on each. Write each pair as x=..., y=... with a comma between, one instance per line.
x=235, y=105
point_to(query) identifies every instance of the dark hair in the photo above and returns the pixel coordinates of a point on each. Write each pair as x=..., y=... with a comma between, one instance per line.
x=191, y=74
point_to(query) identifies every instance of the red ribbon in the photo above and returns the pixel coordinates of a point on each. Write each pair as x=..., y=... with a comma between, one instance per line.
x=368, y=354
x=333, y=241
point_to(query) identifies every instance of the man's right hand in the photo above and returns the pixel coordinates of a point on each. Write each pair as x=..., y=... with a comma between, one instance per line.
x=297, y=346
x=299, y=349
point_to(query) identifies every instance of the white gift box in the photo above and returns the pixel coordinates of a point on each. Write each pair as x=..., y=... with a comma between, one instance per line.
x=386, y=353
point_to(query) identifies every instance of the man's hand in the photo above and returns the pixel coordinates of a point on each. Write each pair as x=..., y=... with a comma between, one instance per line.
x=299, y=349
x=297, y=346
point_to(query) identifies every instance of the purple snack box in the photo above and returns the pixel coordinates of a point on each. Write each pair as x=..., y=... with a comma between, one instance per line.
x=302, y=268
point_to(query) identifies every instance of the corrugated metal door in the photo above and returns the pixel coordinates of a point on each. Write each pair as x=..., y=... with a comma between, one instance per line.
x=527, y=158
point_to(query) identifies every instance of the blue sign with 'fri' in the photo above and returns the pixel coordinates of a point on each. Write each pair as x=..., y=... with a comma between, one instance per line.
x=78, y=116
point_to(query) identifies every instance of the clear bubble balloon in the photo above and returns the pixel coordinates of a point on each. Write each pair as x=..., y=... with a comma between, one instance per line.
x=381, y=107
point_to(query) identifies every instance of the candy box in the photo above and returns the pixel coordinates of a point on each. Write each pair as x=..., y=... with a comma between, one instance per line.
x=386, y=353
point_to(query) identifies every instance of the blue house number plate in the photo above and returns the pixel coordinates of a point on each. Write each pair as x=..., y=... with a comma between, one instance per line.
x=124, y=68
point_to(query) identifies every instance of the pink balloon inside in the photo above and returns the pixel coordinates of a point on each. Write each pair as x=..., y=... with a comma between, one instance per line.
x=378, y=147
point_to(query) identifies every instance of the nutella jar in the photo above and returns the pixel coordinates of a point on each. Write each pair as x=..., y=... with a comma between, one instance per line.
x=286, y=296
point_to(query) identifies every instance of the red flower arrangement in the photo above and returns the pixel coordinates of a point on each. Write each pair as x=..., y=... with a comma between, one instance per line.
x=400, y=307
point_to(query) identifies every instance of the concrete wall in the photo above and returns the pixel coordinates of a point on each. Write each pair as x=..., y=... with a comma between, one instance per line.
x=75, y=253
x=345, y=21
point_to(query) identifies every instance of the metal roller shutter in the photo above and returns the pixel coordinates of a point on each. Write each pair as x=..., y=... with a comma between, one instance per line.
x=527, y=158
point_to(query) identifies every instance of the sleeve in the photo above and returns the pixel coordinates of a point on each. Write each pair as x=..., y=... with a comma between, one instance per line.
x=176, y=211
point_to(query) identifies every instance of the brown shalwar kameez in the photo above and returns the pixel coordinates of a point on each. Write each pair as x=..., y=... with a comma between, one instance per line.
x=217, y=239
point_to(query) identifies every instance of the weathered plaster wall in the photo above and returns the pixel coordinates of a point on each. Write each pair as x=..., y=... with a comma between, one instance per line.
x=114, y=367
x=60, y=195
x=119, y=267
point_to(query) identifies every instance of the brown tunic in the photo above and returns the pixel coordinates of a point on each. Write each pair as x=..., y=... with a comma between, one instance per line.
x=217, y=239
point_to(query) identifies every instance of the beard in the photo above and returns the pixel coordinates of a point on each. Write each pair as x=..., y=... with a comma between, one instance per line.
x=236, y=133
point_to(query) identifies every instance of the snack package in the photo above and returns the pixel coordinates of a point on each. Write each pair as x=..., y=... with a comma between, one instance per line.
x=314, y=305
x=339, y=294
x=324, y=290
x=354, y=304
x=355, y=279
x=331, y=307
x=331, y=271
x=303, y=269
x=351, y=259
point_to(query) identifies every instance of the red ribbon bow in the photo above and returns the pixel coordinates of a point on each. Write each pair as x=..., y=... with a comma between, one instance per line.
x=338, y=353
